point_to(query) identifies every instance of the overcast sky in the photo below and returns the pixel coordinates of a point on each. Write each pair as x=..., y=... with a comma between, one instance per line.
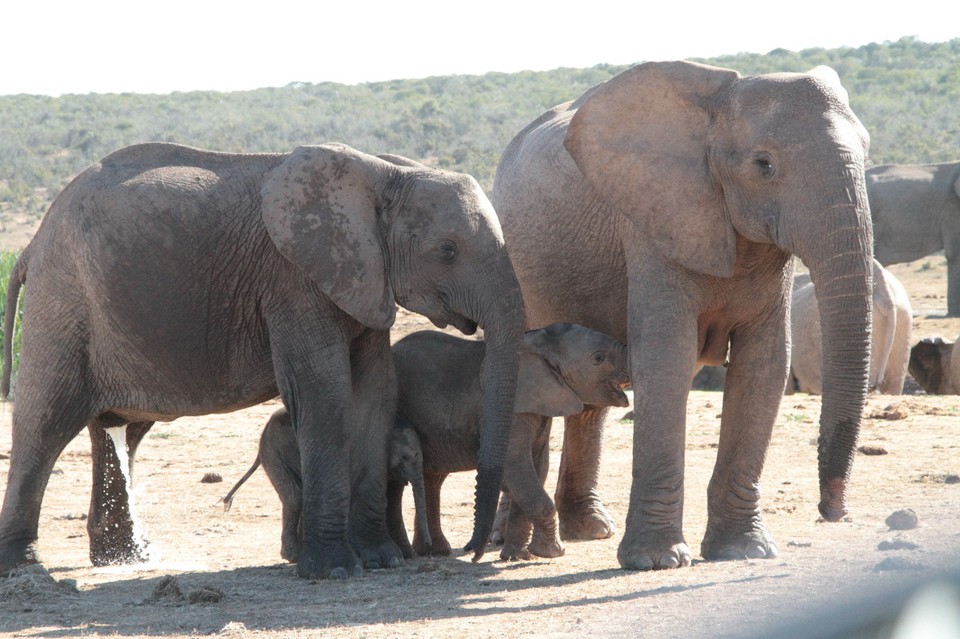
x=109, y=46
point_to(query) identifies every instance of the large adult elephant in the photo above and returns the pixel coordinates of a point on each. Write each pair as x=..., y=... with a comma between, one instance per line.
x=916, y=212
x=168, y=281
x=662, y=207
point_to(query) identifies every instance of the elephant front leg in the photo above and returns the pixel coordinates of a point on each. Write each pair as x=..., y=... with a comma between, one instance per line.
x=395, y=525
x=110, y=521
x=663, y=352
x=755, y=380
x=581, y=511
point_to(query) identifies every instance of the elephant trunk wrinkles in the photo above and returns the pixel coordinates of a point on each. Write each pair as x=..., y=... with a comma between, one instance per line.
x=842, y=276
x=502, y=322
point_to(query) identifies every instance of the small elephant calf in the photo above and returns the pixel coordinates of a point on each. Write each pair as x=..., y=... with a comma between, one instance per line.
x=563, y=368
x=280, y=455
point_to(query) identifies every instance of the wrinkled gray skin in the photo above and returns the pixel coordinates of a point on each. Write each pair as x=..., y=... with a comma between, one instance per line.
x=934, y=367
x=662, y=208
x=916, y=212
x=563, y=368
x=169, y=281
x=890, y=349
x=280, y=456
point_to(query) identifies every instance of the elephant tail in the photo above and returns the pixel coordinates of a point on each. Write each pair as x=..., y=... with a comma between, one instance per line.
x=17, y=277
x=228, y=498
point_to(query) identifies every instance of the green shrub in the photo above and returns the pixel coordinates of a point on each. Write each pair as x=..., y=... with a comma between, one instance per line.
x=8, y=261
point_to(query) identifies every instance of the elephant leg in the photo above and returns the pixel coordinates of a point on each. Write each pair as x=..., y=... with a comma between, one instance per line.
x=440, y=546
x=500, y=521
x=370, y=426
x=582, y=513
x=43, y=425
x=530, y=505
x=755, y=377
x=953, y=280
x=662, y=365
x=111, y=527
x=395, y=525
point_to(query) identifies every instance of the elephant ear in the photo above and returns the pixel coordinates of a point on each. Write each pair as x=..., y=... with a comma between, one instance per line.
x=541, y=388
x=640, y=139
x=320, y=210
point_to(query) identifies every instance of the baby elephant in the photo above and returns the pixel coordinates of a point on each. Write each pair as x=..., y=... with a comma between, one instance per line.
x=890, y=346
x=563, y=368
x=933, y=366
x=280, y=455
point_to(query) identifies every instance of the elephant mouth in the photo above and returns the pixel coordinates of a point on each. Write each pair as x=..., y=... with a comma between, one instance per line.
x=461, y=323
x=620, y=398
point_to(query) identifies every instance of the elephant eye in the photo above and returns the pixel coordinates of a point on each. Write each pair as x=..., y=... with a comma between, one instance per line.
x=447, y=252
x=598, y=358
x=762, y=161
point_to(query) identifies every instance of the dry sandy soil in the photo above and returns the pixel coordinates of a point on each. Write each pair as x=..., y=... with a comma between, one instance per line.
x=233, y=582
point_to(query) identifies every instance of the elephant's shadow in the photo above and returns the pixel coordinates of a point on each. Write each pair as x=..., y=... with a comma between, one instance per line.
x=273, y=598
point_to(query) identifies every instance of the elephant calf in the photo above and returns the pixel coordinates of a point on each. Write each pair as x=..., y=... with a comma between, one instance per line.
x=280, y=456
x=563, y=368
x=890, y=348
x=933, y=366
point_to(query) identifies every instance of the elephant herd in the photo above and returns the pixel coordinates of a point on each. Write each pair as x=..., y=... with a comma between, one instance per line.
x=637, y=233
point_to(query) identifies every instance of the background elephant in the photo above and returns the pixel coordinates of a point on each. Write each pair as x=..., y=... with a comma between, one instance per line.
x=890, y=349
x=280, y=456
x=933, y=366
x=662, y=208
x=168, y=281
x=563, y=368
x=916, y=212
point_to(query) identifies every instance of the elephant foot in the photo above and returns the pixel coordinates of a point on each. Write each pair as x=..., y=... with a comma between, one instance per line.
x=546, y=544
x=16, y=555
x=585, y=521
x=514, y=552
x=439, y=547
x=733, y=542
x=653, y=551
x=328, y=561
x=377, y=554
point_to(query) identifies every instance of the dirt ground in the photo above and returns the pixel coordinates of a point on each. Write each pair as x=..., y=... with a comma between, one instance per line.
x=220, y=573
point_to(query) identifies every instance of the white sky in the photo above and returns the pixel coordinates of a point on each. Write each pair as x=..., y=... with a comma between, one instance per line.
x=55, y=47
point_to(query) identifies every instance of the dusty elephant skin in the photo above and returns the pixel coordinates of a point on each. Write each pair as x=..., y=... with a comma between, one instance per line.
x=662, y=207
x=280, y=456
x=890, y=348
x=168, y=281
x=916, y=212
x=563, y=368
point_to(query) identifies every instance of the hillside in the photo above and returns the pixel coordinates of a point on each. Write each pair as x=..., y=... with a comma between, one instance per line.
x=905, y=92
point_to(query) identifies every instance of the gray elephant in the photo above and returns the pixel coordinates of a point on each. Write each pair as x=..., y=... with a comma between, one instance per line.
x=280, y=456
x=916, y=212
x=934, y=367
x=169, y=281
x=563, y=368
x=890, y=349
x=662, y=207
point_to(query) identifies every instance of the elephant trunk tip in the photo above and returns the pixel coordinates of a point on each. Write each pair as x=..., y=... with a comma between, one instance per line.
x=833, y=499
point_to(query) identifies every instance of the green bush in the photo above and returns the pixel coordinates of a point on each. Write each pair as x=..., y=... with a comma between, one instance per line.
x=8, y=261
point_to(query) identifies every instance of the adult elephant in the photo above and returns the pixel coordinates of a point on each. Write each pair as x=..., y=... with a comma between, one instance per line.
x=916, y=212
x=662, y=207
x=168, y=281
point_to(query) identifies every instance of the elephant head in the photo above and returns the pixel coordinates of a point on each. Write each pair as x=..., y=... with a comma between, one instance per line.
x=775, y=159
x=565, y=367
x=371, y=231
x=931, y=364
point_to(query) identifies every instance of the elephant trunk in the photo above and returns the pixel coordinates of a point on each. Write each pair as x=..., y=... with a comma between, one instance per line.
x=420, y=506
x=841, y=267
x=502, y=322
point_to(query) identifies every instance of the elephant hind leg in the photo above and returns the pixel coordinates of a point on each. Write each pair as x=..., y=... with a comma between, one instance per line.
x=111, y=524
x=40, y=433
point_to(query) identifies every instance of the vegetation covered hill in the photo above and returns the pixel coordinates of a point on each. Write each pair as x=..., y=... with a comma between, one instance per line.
x=905, y=92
